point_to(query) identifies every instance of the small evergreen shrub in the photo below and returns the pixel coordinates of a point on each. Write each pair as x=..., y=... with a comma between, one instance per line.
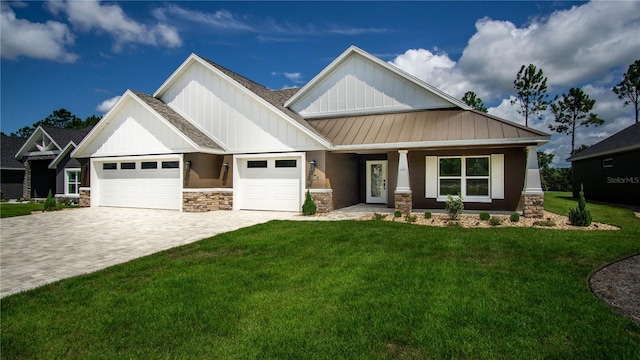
x=427, y=215
x=545, y=223
x=515, y=217
x=410, y=218
x=485, y=216
x=397, y=214
x=379, y=217
x=453, y=223
x=454, y=206
x=50, y=203
x=495, y=221
x=580, y=216
x=309, y=206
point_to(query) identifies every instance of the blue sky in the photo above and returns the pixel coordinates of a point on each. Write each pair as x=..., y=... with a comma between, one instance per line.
x=82, y=55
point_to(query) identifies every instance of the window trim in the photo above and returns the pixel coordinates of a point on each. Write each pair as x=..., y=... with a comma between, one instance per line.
x=142, y=165
x=128, y=162
x=609, y=164
x=111, y=166
x=251, y=164
x=168, y=164
x=77, y=183
x=463, y=179
x=295, y=163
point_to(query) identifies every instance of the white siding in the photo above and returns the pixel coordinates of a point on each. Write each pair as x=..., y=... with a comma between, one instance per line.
x=497, y=176
x=360, y=86
x=134, y=130
x=232, y=116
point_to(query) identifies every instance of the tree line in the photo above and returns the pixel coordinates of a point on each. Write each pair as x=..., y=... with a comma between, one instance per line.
x=60, y=118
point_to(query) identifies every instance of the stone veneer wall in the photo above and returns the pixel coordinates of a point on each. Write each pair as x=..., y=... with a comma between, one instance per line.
x=200, y=201
x=85, y=198
x=533, y=206
x=26, y=182
x=324, y=201
x=404, y=203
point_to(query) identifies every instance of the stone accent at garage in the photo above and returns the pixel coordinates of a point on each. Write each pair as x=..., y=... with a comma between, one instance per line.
x=323, y=199
x=533, y=206
x=207, y=200
x=85, y=197
x=403, y=202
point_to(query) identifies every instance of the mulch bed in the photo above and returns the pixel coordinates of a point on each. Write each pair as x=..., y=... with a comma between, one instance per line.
x=618, y=285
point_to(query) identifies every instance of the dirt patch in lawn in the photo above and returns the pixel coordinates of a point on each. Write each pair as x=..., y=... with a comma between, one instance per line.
x=618, y=285
x=549, y=221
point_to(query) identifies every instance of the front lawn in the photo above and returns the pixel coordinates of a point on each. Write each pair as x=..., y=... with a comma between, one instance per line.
x=10, y=210
x=332, y=290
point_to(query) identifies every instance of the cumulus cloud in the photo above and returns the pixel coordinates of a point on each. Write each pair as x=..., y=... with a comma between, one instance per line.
x=111, y=19
x=106, y=105
x=46, y=41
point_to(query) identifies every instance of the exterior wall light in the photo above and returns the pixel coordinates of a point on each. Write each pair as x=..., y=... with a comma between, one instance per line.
x=225, y=166
x=187, y=164
x=312, y=165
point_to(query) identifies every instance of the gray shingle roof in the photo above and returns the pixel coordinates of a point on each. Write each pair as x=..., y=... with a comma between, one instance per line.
x=623, y=140
x=9, y=147
x=179, y=122
x=62, y=137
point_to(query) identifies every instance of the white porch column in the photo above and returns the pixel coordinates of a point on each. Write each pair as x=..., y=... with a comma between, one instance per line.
x=532, y=194
x=403, y=201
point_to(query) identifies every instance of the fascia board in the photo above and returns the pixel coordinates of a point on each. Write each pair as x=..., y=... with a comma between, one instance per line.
x=603, y=153
x=443, y=144
x=174, y=76
x=355, y=50
x=31, y=141
x=70, y=146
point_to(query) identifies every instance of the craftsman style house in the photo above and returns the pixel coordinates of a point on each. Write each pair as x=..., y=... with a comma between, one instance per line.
x=360, y=131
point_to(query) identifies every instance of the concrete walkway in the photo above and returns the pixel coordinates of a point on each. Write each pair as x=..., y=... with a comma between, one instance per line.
x=42, y=248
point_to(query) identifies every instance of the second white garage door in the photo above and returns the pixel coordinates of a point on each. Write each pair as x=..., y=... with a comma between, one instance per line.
x=269, y=184
x=151, y=184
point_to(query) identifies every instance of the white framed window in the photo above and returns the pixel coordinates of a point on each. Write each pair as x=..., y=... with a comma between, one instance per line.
x=468, y=176
x=72, y=181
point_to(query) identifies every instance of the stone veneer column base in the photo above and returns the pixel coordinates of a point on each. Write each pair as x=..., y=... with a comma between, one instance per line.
x=403, y=202
x=207, y=200
x=533, y=205
x=85, y=198
x=323, y=200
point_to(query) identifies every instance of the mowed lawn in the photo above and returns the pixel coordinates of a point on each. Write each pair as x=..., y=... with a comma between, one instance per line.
x=342, y=290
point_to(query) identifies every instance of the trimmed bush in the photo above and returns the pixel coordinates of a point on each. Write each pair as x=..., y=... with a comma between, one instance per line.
x=494, y=221
x=515, y=217
x=454, y=206
x=50, y=203
x=379, y=217
x=397, y=214
x=427, y=215
x=580, y=216
x=484, y=216
x=309, y=206
x=545, y=223
x=410, y=218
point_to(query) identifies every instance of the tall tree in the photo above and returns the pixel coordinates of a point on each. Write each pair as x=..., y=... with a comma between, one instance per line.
x=573, y=111
x=61, y=118
x=629, y=88
x=90, y=121
x=531, y=91
x=470, y=98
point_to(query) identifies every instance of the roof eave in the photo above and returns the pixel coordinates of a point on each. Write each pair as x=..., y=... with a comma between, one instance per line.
x=70, y=146
x=538, y=141
x=603, y=153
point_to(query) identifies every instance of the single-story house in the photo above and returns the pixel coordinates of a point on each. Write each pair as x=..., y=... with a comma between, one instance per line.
x=610, y=169
x=46, y=156
x=11, y=170
x=360, y=131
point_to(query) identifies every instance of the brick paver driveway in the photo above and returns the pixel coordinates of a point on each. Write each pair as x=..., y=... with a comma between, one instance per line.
x=42, y=248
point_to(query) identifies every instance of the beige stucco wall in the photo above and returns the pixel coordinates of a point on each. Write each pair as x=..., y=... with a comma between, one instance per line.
x=207, y=171
x=343, y=176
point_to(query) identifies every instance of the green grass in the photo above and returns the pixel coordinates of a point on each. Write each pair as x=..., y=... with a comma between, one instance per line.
x=11, y=210
x=341, y=290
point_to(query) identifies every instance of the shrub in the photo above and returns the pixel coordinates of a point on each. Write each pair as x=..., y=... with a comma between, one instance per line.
x=427, y=215
x=309, y=206
x=494, y=221
x=379, y=217
x=454, y=206
x=50, y=203
x=397, y=214
x=410, y=218
x=453, y=223
x=545, y=223
x=580, y=216
x=515, y=217
x=484, y=216
x=3, y=195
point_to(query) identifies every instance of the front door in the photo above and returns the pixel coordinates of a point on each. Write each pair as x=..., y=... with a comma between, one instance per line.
x=377, y=181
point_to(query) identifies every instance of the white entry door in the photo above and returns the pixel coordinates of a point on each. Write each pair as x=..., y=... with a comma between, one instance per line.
x=377, y=181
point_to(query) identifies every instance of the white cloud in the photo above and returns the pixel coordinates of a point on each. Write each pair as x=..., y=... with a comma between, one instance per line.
x=296, y=77
x=111, y=19
x=46, y=41
x=106, y=105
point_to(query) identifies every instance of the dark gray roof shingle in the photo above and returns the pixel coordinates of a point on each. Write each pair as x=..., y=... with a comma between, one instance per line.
x=622, y=140
x=9, y=148
x=62, y=137
x=179, y=122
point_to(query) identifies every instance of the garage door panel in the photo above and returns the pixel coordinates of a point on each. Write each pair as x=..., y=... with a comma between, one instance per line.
x=270, y=188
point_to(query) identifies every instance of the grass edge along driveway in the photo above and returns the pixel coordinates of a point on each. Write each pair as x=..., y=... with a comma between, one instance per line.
x=331, y=290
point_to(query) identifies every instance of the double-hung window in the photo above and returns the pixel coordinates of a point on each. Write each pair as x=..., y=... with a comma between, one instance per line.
x=467, y=176
x=72, y=181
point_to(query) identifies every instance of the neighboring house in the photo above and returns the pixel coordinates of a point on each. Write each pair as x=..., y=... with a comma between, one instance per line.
x=46, y=156
x=610, y=169
x=11, y=170
x=360, y=131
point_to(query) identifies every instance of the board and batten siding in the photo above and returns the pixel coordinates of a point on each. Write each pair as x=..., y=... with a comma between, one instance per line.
x=359, y=86
x=134, y=130
x=231, y=115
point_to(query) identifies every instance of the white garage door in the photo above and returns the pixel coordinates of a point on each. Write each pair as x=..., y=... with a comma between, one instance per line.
x=269, y=184
x=151, y=184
